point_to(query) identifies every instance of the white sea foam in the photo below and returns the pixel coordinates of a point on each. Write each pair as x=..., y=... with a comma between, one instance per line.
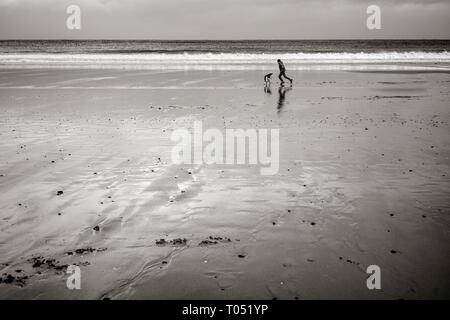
x=228, y=61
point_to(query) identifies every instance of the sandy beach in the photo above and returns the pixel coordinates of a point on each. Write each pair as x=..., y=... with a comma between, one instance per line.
x=86, y=178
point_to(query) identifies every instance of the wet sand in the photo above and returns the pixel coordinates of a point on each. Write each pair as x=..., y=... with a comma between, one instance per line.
x=86, y=178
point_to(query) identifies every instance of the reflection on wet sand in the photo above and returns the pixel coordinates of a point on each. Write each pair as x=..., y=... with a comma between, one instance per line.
x=282, y=96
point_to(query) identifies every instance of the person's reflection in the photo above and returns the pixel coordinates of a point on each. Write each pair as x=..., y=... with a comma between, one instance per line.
x=267, y=89
x=282, y=96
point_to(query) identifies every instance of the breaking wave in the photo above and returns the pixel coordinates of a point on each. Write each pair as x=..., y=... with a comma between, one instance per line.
x=228, y=61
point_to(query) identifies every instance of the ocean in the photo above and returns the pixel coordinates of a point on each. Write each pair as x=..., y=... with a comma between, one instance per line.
x=226, y=55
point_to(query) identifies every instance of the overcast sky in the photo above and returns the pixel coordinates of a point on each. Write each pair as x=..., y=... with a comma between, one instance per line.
x=224, y=19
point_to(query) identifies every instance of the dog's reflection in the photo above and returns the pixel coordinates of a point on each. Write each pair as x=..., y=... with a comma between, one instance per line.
x=282, y=90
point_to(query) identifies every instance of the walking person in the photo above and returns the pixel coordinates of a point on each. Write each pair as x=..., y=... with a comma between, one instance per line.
x=282, y=72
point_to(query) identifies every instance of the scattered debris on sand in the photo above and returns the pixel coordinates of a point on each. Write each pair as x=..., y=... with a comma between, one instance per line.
x=41, y=262
x=174, y=242
x=85, y=251
x=213, y=240
x=10, y=279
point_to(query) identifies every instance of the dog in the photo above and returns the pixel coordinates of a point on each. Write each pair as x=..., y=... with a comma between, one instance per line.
x=267, y=78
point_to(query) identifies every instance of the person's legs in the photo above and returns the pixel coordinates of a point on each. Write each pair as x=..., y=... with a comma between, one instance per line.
x=279, y=77
x=284, y=75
